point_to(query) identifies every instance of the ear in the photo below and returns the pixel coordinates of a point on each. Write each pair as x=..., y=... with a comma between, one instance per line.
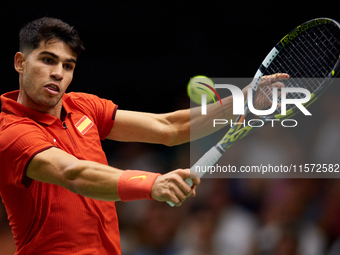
x=19, y=62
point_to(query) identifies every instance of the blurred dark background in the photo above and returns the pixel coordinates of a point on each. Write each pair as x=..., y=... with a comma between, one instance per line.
x=141, y=55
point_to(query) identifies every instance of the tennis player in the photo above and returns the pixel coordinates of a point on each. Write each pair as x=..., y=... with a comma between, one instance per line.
x=56, y=185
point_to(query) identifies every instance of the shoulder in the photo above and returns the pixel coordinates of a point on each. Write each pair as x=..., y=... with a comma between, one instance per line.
x=81, y=97
x=90, y=104
x=12, y=123
x=86, y=101
x=13, y=128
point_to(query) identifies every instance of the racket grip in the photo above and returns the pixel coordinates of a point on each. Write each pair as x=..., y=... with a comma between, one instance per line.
x=208, y=159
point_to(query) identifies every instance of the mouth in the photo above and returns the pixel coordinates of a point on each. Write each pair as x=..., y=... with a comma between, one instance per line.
x=52, y=88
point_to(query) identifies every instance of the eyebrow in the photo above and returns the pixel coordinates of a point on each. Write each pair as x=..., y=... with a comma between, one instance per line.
x=57, y=57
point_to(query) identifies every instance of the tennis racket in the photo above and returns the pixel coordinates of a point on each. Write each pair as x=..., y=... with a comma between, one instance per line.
x=310, y=55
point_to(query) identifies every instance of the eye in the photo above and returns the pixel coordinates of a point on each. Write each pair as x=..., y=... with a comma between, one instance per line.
x=68, y=67
x=47, y=61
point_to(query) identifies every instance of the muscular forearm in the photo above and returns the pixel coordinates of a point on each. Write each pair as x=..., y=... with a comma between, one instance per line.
x=189, y=125
x=102, y=182
x=93, y=180
x=83, y=177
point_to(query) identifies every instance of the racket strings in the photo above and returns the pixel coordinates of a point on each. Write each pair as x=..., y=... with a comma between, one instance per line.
x=309, y=59
x=327, y=52
x=311, y=55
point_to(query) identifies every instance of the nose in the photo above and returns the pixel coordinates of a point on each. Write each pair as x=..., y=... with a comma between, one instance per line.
x=57, y=72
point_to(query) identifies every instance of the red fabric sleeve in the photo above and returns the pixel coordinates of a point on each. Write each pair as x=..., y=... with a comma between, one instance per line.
x=102, y=111
x=19, y=143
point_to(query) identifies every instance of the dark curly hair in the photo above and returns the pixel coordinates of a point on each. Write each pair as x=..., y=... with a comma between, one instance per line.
x=46, y=29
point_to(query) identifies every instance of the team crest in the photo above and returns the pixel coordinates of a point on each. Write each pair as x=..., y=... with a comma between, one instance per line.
x=84, y=125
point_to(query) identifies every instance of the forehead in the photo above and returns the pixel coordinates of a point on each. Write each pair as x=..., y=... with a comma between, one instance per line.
x=58, y=47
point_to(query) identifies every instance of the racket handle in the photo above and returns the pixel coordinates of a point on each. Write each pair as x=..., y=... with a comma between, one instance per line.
x=208, y=159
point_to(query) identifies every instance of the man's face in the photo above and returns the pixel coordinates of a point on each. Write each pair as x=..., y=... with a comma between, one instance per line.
x=47, y=72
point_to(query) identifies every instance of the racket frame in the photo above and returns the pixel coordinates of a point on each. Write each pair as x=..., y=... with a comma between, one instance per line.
x=236, y=132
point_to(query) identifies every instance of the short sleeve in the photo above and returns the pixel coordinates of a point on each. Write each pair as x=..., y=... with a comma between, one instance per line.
x=19, y=143
x=103, y=111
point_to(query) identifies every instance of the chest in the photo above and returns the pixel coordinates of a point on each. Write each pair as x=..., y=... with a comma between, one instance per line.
x=78, y=135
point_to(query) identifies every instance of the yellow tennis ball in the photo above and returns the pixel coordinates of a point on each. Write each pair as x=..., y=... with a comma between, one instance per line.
x=196, y=88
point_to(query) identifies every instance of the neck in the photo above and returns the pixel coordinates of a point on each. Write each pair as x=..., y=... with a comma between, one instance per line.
x=25, y=100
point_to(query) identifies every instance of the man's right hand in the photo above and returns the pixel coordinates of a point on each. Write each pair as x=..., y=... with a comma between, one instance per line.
x=173, y=187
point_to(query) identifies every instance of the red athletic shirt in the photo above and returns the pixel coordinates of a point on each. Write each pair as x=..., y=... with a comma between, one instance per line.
x=46, y=218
